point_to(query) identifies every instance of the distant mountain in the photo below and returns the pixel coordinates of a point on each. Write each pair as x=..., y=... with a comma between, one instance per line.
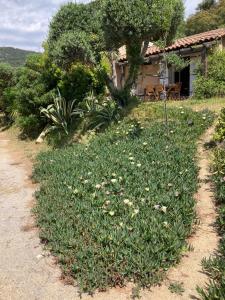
x=13, y=56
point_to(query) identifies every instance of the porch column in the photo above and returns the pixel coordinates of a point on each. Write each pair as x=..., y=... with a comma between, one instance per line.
x=204, y=61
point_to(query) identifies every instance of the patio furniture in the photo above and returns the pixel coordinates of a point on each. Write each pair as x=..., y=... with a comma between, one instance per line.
x=174, y=91
x=158, y=91
x=150, y=92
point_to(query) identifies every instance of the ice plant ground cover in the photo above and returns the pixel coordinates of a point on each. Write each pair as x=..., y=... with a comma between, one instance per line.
x=120, y=208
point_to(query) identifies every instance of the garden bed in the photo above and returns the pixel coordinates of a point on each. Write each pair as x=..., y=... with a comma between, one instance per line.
x=121, y=208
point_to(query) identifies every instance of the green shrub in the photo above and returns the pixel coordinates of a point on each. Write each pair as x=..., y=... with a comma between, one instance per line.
x=121, y=207
x=214, y=83
x=220, y=127
x=77, y=82
x=100, y=113
x=6, y=81
x=61, y=113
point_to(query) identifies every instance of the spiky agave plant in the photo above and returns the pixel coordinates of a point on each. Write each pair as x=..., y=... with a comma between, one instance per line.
x=61, y=113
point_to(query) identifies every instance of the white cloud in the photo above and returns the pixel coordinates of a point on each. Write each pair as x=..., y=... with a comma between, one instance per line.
x=24, y=23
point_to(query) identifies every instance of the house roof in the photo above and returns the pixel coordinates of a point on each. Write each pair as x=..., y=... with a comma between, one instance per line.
x=185, y=42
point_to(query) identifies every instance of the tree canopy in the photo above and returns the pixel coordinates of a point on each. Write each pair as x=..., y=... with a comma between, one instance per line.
x=82, y=32
x=209, y=15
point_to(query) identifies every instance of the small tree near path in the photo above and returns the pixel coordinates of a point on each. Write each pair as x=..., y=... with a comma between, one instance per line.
x=86, y=32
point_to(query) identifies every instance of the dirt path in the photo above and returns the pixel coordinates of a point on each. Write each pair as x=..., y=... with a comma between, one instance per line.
x=27, y=272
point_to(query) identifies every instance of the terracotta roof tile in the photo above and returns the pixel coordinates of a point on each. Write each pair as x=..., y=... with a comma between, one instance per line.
x=181, y=43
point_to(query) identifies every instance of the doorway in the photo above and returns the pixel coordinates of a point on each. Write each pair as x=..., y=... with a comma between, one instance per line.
x=184, y=77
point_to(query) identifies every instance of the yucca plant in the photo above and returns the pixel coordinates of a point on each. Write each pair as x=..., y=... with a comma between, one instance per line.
x=100, y=113
x=61, y=113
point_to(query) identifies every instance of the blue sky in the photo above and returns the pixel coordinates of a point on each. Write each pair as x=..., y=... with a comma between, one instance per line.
x=24, y=23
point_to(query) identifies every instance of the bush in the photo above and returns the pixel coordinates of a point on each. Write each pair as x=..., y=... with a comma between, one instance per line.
x=6, y=81
x=121, y=207
x=100, y=112
x=220, y=127
x=77, y=82
x=214, y=83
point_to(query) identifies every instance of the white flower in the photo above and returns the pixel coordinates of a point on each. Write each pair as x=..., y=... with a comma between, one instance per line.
x=145, y=144
x=138, y=165
x=107, y=202
x=89, y=173
x=85, y=181
x=120, y=178
x=204, y=118
x=170, y=184
x=165, y=224
x=111, y=213
x=147, y=189
x=136, y=211
x=157, y=206
x=182, y=112
x=142, y=200
x=132, y=163
x=124, y=151
x=121, y=224
x=131, y=158
x=142, y=127
x=113, y=180
x=114, y=174
x=98, y=186
x=164, y=209
x=107, y=193
x=76, y=191
x=126, y=201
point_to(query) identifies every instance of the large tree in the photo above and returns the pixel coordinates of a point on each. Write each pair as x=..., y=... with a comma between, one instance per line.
x=83, y=32
x=209, y=15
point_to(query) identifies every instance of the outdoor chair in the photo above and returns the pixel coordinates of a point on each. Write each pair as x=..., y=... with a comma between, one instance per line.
x=150, y=92
x=158, y=91
x=174, y=91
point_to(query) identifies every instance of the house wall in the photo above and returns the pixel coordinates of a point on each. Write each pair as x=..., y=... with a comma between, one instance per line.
x=150, y=73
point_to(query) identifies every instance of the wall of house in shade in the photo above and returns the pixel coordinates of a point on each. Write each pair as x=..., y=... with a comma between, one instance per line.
x=149, y=74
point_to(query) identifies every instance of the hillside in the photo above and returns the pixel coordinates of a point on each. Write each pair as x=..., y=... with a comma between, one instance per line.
x=13, y=56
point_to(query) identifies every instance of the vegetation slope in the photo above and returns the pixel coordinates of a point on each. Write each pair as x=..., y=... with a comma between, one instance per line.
x=120, y=208
x=13, y=56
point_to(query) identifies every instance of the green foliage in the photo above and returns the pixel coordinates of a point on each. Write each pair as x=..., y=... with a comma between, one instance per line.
x=214, y=84
x=176, y=61
x=100, y=113
x=72, y=47
x=215, y=266
x=6, y=81
x=35, y=87
x=121, y=207
x=91, y=29
x=132, y=23
x=177, y=288
x=13, y=56
x=210, y=15
x=75, y=34
x=79, y=80
x=220, y=127
x=206, y=4
x=127, y=21
x=61, y=113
